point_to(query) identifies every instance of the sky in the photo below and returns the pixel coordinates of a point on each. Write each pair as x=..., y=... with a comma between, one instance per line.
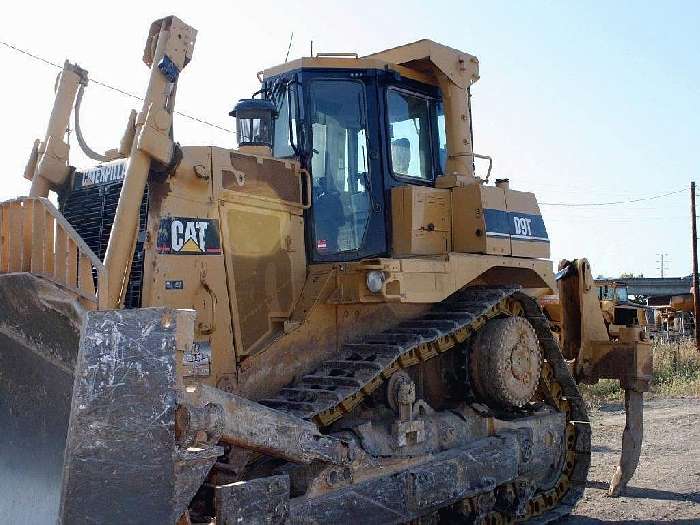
x=580, y=102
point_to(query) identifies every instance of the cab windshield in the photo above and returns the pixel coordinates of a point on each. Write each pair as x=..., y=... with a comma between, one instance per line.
x=613, y=292
x=621, y=294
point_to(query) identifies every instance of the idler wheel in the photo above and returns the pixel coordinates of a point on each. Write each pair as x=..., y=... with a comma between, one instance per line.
x=505, y=362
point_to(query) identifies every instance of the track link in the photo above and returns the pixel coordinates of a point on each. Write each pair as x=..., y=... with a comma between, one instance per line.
x=340, y=384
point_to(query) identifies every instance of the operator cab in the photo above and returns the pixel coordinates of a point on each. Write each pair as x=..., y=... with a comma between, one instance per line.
x=613, y=291
x=360, y=127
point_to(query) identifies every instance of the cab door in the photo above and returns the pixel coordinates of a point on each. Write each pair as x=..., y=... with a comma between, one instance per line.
x=346, y=220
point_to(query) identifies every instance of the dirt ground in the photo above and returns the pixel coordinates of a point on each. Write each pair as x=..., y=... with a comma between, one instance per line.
x=666, y=486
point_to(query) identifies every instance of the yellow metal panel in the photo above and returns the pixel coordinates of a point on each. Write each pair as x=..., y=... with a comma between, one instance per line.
x=26, y=228
x=196, y=281
x=72, y=265
x=37, y=237
x=433, y=279
x=347, y=63
x=50, y=225
x=265, y=257
x=461, y=68
x=61, y=254
x=420, y=220
x=476, y=224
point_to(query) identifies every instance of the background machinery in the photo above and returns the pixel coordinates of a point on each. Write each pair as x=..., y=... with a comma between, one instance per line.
x=335, y=322
x=618, y=310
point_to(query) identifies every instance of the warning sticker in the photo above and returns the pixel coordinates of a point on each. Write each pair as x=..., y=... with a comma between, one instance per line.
x=198, y=361
x=189, y=236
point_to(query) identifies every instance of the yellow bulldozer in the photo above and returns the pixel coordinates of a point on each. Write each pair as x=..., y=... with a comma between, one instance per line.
x=618, y=310
x=336, y=322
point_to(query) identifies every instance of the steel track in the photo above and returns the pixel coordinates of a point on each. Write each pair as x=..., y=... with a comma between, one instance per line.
x=340, y=384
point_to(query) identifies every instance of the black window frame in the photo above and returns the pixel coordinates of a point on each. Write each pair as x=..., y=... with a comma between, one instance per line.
x=436, y=170
x=293, y=98
x=341, y=255
x=375, y=239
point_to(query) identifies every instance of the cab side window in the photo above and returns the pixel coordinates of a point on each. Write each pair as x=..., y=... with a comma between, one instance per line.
x=409, y=134
x=282, y=141
x=442, y=137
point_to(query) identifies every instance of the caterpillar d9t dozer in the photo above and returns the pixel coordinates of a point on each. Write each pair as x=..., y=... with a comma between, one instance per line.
x=336, y=322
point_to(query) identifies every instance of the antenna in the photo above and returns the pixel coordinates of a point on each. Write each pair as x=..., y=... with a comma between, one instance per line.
x=662, y=262
x=291, y=39
x=312, y=49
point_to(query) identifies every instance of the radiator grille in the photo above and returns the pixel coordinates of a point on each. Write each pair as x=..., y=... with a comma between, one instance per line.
x=90, y=210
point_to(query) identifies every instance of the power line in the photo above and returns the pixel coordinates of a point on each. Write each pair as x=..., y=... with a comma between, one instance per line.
x=568, y=219
x=25, y=52
x=630, y=201
x=110, y=87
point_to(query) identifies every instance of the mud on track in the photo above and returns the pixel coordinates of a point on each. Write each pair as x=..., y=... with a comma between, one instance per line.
x=666, y=486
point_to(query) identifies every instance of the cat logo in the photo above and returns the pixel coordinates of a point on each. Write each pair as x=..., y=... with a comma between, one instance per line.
x=189, y=236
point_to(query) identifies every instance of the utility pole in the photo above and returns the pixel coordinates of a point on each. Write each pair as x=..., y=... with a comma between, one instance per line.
x=663, y=263
x=696, y=285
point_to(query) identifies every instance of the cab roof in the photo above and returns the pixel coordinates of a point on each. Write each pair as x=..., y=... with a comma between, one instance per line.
x=423, y=60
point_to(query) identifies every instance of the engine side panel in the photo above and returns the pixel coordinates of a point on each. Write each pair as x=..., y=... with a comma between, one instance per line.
x=260, y=202
x=184, y=264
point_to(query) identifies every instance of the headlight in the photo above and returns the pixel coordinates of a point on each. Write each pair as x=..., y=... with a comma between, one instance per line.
x=375, y=281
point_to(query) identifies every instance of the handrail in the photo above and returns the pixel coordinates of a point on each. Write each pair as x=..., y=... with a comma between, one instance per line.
x=337, y=55
x=35, y=237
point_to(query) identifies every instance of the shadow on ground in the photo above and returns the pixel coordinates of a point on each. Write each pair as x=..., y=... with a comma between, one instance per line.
x=612, y=407
x=646, y=493
x=603, y=448
x=581, y=520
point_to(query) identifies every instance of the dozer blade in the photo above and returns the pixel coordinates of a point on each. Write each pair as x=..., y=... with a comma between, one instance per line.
x=123, y=462
x=87, y=411
x=39, y=333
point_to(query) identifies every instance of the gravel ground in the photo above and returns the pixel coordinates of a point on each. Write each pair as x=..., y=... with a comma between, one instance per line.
x=666, y=485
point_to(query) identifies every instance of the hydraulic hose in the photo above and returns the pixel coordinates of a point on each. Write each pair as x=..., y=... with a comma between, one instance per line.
x=79, y=134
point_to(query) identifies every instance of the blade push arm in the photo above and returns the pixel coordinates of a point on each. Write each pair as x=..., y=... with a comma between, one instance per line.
x=48, y=163
x=148, y=137
x=168, y=50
